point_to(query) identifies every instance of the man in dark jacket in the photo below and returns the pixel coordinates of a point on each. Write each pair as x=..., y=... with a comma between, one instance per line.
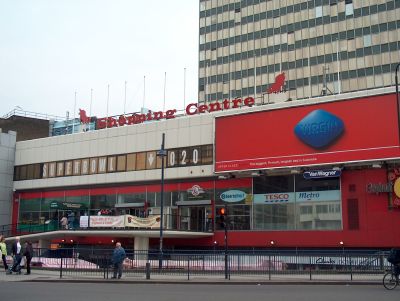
x=117, y=259
x=28, y=254
x=16, y=252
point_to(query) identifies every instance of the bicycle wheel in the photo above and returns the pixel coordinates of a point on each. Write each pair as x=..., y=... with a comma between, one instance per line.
x=389, y=281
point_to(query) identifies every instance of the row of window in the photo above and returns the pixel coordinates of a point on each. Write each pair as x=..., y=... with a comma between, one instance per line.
x=180, y=157
x=342, y=35
x=312, y=61
x=278, y=203
x=281, y=11
x=302, y=82
x=356, y=13
x=328, y=38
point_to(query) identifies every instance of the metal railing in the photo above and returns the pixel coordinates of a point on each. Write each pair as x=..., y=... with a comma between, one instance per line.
x=263, y=265
x=23, y=113
x=171, y=222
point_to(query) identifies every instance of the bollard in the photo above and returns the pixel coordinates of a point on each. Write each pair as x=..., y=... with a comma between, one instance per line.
x=147, y=270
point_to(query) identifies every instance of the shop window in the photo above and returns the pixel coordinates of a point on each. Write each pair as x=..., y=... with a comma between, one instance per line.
x=17, y=172
x=131, y=162
x=207, y=154
x=102, y=202
x=121, y=163
x=23, y=172
x=292, y=202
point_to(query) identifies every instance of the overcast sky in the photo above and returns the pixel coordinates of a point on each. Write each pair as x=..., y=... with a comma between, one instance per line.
x=51, y=48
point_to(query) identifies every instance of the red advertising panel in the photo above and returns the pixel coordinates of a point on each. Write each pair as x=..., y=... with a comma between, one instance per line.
x=342, y=131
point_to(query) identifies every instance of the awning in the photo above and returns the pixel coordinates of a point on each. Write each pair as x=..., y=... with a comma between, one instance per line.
x=193, y=203
x=130, y=205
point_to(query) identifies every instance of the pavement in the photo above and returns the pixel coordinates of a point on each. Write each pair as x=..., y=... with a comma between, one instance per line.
x=38, y=275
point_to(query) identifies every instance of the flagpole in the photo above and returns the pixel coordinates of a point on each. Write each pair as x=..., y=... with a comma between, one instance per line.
x=338, y=71
x=108, y=98
x=73, y=120
x=125, y=99
x=144, y=90
x=184, y=88
x=165, y=84
x=91, y=100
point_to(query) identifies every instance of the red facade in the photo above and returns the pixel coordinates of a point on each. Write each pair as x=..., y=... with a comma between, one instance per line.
x=368, y=220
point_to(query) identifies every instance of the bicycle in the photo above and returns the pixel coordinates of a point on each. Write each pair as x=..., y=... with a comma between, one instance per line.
x=390, y=279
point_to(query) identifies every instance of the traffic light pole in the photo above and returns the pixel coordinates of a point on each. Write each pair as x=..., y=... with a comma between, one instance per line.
x=226, y=246
x=161, y=153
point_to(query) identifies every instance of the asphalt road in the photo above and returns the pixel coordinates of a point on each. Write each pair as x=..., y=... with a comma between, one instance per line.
x=191, y=292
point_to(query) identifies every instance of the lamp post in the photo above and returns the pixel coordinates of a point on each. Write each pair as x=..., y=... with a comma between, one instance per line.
x=161, y=153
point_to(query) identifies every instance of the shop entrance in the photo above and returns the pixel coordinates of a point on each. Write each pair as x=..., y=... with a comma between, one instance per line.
x=196, y=218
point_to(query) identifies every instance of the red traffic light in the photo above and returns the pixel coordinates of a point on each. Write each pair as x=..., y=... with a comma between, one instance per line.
x=221, y=211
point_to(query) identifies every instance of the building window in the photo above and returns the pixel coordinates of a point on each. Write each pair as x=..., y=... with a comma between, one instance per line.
x=318, y=12
x=292, y=202
x=367, y=40
x=349, y=8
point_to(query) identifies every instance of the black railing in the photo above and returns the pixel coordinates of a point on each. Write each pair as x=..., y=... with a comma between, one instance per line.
x=273, y=265
x=171, y=222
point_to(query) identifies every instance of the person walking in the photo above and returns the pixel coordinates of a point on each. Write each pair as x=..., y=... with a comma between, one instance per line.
x=64, y=223
x=28, y=253
x=16, y=249
x=3, y=249
x=117, y=259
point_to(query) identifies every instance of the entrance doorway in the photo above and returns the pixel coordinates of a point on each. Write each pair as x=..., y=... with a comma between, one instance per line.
x=196, y=218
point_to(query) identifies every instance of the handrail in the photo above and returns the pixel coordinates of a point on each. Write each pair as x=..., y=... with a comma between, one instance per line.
x=173, y=222
x=22, y=113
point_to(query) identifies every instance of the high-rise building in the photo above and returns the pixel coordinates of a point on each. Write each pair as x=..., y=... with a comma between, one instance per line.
x=322, y=46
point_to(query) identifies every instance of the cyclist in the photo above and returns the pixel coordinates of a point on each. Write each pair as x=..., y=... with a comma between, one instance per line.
x=394, y=258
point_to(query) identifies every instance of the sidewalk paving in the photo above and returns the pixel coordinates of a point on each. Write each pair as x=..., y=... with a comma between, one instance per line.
x=324, y=279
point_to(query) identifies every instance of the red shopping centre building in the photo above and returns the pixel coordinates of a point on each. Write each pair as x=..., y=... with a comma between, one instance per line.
x=317, y=173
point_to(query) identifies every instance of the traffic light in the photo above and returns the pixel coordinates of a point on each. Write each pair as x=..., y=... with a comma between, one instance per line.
x=221, y=215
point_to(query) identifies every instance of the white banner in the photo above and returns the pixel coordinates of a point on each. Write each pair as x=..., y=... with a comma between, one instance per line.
x=84, y=221
x=142, y=222
x=107, y=221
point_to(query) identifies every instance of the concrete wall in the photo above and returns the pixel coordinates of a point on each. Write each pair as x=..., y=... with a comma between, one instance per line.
x=27, y=128
x=7, y=158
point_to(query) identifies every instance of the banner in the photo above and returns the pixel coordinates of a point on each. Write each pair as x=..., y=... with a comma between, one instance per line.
x=84, y=222
x=292, y=197
x=359, y=129
x=152, y=222
x=107, y=221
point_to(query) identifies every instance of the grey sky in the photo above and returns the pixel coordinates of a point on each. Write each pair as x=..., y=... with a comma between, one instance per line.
x=51, y=48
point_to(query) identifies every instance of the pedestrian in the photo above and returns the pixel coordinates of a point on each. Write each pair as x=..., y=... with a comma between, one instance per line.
x=117, y=259
x=16, y=252
x=64, y=223
x=3, y=249
x=28, y=253
x=71, y=218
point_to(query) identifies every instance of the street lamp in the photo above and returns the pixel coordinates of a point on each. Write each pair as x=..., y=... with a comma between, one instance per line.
x=161, y=153
x=341, y=243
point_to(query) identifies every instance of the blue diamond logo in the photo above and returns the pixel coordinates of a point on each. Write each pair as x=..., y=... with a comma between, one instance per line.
x=319, y=128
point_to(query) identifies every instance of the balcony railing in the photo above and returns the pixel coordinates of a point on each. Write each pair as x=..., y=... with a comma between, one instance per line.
x=171, y=222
